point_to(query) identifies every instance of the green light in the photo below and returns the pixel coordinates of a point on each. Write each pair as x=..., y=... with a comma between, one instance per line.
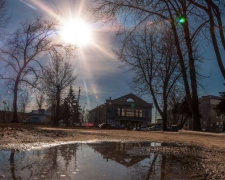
x=181, y=20
x=132, y=105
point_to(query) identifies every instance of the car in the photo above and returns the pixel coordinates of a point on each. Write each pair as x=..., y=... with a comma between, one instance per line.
x=142, y=128
x=123, y=126
x=105, y=126
x=172, y=128
x=114, y=126
x=155, y=128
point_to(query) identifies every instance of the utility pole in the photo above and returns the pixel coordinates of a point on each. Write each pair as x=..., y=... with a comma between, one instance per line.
x=83, y=113
x=4, y=102
x=78, y=101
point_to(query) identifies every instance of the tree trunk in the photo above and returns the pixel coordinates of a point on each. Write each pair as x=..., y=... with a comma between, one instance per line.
x=214, y=41
x=194, y=106
x=192, y=100
x=164, y=117
x=15, y=116
x=56, y=120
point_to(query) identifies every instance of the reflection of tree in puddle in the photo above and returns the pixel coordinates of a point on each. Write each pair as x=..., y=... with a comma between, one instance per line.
x=95, y=161
x=51, y=163
x=12, y=166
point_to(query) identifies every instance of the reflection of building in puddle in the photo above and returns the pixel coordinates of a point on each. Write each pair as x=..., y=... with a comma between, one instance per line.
x=118, y=152
x=155, y=144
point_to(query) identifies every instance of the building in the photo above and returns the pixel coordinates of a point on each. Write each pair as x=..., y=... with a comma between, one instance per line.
x=209, y=118
x=126, y=109
x=39, y=116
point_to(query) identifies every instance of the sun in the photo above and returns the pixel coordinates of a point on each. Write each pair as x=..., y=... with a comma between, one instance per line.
x=76, y=31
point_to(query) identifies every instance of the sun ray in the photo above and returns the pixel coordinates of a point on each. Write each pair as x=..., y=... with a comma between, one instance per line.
x=46, y=9
x=106, y=52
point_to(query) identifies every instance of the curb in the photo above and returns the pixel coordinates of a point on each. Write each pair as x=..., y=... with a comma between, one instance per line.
x=201, y=133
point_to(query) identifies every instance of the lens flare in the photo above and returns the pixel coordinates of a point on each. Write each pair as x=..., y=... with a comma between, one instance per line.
x=76, y=32
x=181, y=20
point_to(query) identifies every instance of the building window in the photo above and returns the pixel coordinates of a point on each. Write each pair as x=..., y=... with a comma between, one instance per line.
x=130, y=100
x=123, y=112
x=140, y=113
x=118, y=111
x=136, y=113
x=130, y=112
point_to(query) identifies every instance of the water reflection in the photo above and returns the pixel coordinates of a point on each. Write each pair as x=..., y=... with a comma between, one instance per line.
x=107, y=160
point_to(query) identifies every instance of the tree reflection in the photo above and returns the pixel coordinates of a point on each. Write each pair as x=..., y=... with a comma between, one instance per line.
x=12, y=165
x=129, y=160
x=151, y=166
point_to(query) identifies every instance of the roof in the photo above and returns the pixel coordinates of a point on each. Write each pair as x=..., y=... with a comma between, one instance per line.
x=211, y=97
x=122, y=101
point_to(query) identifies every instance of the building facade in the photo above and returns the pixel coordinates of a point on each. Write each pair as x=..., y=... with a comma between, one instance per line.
x=209, y=118
x=126, y=109
x=210, y=121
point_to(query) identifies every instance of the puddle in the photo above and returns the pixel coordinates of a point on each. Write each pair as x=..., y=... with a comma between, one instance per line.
x=106, y=160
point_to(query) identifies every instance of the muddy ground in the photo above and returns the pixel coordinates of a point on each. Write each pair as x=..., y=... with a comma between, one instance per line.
x=207, y=148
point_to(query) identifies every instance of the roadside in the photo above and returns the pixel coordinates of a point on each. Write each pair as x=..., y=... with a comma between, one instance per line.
x=17, y=136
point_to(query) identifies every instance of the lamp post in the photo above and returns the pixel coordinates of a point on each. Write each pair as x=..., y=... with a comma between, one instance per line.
x=4, y=102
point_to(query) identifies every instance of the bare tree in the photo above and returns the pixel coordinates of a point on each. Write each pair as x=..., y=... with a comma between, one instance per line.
x=3, y=17
x=23, y=102
x=56, y=77
x=214, y=10
x=39, y=99
x=176, y=14
x=22, y=54
x=150, y=53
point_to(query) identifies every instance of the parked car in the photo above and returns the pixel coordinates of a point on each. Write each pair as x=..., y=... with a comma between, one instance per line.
x=115, y=126
x=143, y=128
x=123, y=126
x=105, y=126
x=155, y=128
x=172, y=128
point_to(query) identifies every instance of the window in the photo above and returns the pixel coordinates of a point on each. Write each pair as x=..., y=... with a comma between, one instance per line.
x=118, y=111
x=140, y=113
x=130, y=112
x=130, y=100
x=136, y=113
x=123, y=112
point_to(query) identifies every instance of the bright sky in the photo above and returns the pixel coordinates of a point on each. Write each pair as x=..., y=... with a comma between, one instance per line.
x=99, y=75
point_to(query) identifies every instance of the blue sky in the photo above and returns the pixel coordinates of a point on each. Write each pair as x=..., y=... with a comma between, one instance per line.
x=98, y=68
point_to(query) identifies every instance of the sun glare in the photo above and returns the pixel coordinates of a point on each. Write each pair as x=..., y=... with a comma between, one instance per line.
x=76, y=32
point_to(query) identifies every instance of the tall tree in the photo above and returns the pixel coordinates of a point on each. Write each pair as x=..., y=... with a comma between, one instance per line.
x=212, y=11
x=175, y=13
x=22, y=53
x=56, y=77
x=23, y=102
x=70, y=108
x=39, y=99
x=3, y=17
x=150, y=53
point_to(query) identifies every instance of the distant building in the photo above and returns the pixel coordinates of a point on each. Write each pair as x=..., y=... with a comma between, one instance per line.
x=38, y=116
x=210, y=121
x=209, y=118
x=126, y=109
x=159, y=121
